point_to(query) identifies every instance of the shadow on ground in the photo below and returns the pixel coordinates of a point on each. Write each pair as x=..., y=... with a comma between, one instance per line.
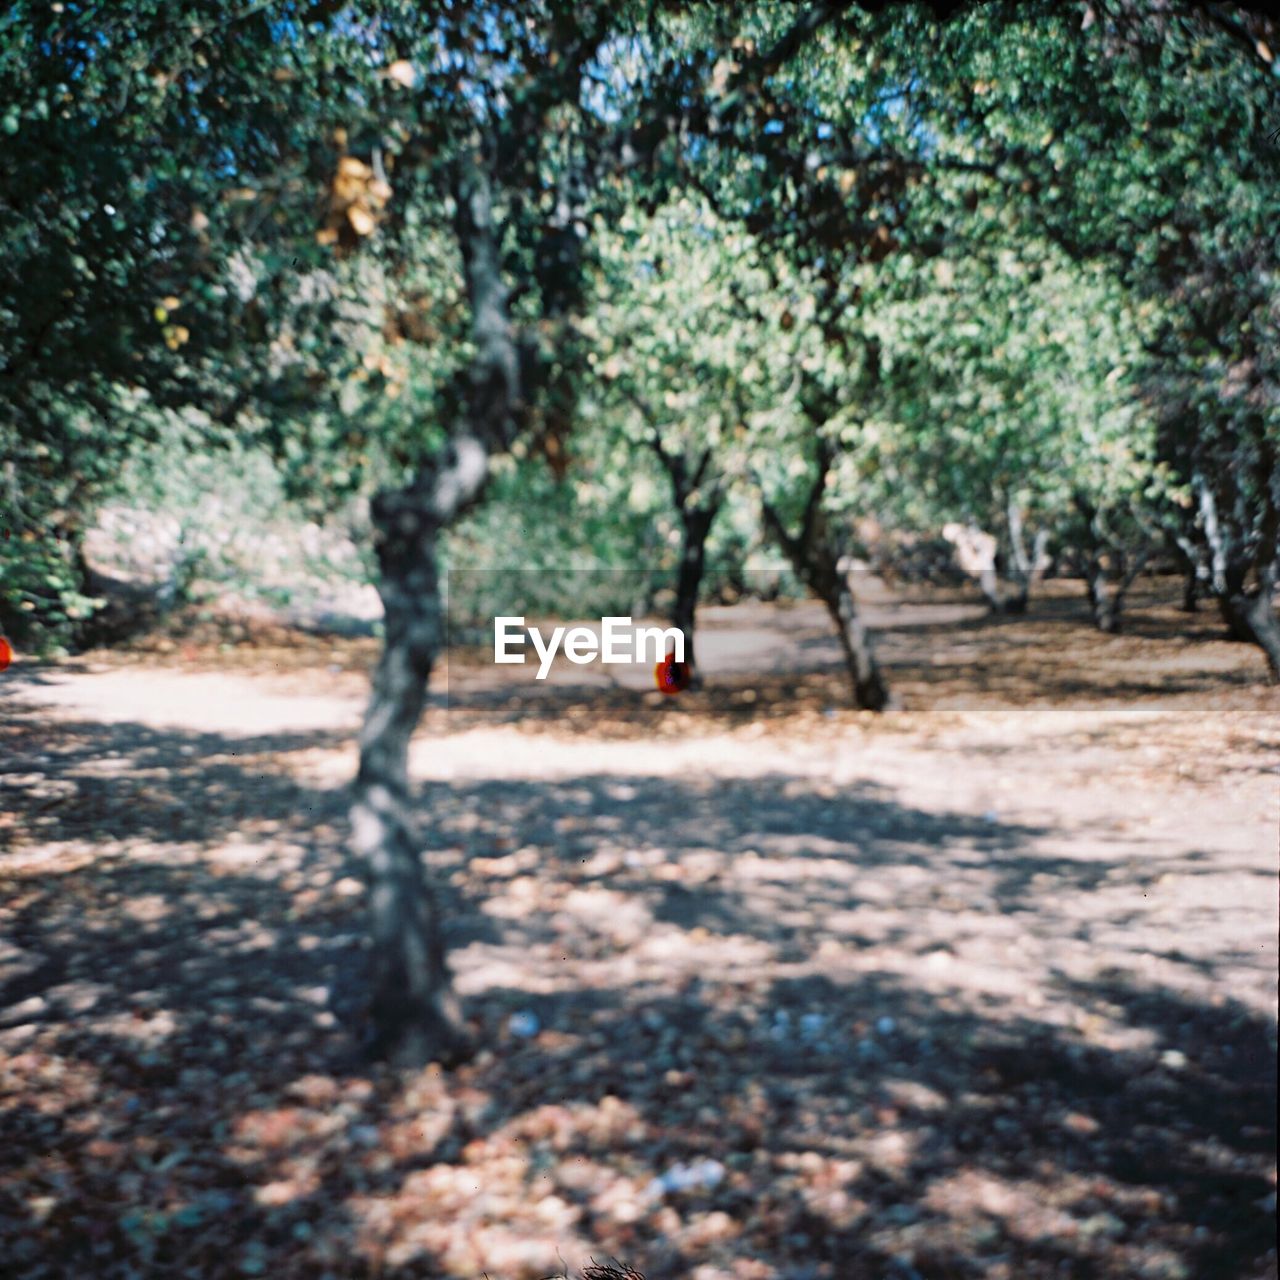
x=181, y=974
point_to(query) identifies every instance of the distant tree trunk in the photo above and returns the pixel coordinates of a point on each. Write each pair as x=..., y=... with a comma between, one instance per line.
x=1104, y=552
x=1190, y=590
x=1095, y=582
x=975, y=551
x=1248, y=612
x=1026, y=568
x=1195, y=574
x=414, y=1016
x=697, y=495
x=869, y=689
x=1106, y=601
x=696, y=525
x=989, y=585
x=1251, y=616
x=816, y=561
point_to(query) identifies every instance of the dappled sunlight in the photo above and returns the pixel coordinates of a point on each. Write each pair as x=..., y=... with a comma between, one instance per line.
x=638, y=640
x=973, y=989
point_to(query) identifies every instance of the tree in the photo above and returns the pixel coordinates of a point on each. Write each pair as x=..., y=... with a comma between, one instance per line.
x=1181, y=214
x=85, y=219
x=501, y=161
x=686, y=366
x=1016, y=369
x=717, y=355
x=405, y=121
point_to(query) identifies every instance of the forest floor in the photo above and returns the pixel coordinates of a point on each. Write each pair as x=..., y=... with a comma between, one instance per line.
x=771, y=989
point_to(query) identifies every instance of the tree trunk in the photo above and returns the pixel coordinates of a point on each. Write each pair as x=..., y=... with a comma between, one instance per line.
x=1190, y=590
x=1100, y=601
x=1249, y=613
x=989, y=585
x=816, y=562
x=696, y=522
x=1194, y=573
x=1251, y=616
x=1026, y=568
x=1106, y=603
x=413, y=1015
x=1243, y=538
x=975, y=552
x=870, y=692
x=1130, y=568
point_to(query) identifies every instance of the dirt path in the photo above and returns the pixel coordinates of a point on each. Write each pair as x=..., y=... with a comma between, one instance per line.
x=984, y=987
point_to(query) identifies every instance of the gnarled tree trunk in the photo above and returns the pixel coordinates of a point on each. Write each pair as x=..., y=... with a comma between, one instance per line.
x=1106, y=600
x=975, y=552
x=697, y=498
x=1110, y=568
x=1025, y=568
x=414, y=1016
x=1195, y=573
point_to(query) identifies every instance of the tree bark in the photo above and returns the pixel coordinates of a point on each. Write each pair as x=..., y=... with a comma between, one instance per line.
x=1026, y=569
x=1194, y=573
x=1190, y=590
x=697, y=500
x=1095, y=581
x=413, y=1014
x=1250, y=616
x=870, y=691
x=696, y=525
x=1247, y=613
x=816, y=562
x=1105, y=602
x=975, y=553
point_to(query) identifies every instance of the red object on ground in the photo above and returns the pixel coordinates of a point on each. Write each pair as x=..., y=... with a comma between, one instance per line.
x=672, y=676
x=6, y=653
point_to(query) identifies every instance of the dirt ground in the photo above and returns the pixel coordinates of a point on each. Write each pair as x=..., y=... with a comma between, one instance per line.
x=772, y=989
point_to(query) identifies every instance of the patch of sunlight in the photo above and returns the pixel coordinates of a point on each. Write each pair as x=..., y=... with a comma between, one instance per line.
x=1027, y=1209
x=281, y=1129
x=795, y=863
x=149, y=1030
x=702, y=949
x=284, y=1191
x=236, y=854
x=147, y=908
